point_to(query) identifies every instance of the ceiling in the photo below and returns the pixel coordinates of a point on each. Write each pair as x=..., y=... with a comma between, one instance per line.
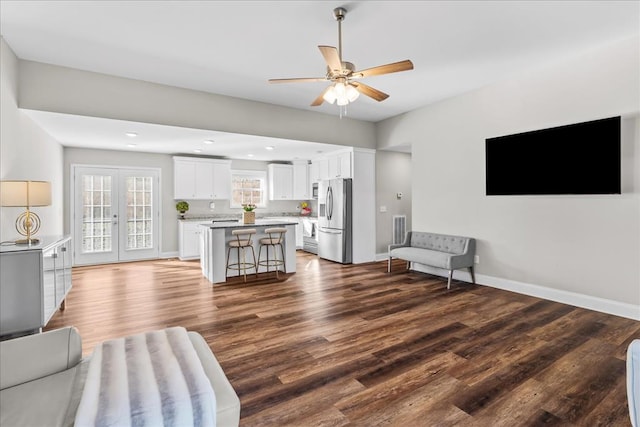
x=233, y=47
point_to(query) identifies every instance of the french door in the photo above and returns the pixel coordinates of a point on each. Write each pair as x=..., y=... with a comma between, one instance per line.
x=115, y=214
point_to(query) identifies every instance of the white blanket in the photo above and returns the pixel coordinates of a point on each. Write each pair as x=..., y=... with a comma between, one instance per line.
x=150, y=379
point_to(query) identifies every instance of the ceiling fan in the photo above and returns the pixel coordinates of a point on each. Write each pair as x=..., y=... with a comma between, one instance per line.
x=345, y=88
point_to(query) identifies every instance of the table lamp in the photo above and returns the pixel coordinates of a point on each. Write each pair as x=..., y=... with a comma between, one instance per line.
x=26, y=194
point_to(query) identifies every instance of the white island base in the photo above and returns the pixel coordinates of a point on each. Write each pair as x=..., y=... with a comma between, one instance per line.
x=214, y=244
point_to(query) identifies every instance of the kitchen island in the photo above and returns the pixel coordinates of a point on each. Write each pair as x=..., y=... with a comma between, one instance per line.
x=214, y=241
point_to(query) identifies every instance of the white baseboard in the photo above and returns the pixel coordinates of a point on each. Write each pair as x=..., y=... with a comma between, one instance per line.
x=167, y=255
x=630, y=311
x=382, y=257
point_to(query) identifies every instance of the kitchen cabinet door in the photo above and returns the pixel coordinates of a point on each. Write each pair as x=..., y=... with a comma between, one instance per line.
x=222, y=181
x=280, y=182
x=301, y=181
x=184, y=178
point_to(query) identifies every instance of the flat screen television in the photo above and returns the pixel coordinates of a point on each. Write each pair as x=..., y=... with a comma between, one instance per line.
x=582, y=158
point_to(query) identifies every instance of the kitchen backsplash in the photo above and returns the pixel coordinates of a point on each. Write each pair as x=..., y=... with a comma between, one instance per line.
x=201, y=209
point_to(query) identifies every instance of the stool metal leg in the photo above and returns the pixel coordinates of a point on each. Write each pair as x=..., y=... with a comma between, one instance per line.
x=284, y=260
x=255, y=263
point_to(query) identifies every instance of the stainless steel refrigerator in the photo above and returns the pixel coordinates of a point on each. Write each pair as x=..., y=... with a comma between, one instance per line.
x=334, y=220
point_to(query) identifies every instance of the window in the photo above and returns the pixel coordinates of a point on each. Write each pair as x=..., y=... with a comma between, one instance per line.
x=248, y=187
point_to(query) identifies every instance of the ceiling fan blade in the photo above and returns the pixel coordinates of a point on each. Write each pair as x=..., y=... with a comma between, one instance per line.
x=320, y=99
x=369, y=91
x=299, y=80
x=332, y=58
x=385, y=69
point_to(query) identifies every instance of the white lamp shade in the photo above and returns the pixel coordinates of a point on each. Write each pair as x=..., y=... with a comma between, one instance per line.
x=330, y=95
x=352, y=93
x=25, y=193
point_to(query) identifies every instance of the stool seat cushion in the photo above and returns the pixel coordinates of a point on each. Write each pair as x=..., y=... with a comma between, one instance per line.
x=271, y=241
x=239, y=243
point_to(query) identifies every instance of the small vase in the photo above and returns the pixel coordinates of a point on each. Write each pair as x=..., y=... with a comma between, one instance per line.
x=248, y=217
x=182, y=214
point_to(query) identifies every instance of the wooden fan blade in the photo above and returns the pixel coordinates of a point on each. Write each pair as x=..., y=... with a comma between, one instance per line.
x=299, y=80
x=369, y=91
x=320, y=99
x=385, y=69
x=332, y=58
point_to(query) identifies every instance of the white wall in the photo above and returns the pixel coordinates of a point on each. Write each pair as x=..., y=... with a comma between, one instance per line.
x=393, y=176
x=26, y=153
x=583, y=250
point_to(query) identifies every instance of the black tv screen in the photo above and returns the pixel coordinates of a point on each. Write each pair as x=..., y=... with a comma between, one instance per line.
x=582, y=158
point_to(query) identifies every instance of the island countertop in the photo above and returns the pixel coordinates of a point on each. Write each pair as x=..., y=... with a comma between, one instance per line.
x=240, y=224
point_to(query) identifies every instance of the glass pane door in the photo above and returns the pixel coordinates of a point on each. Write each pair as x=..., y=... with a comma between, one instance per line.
x=95, y=216
x=140, y=214
x=116, y=215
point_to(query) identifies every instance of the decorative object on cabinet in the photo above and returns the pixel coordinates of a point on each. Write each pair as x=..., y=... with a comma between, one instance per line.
x=34, y=282
x=248, y=216
x=26, y=194
x=305, y=209
x=182, y=207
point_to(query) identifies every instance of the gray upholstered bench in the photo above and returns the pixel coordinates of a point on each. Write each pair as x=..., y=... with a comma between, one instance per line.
x=436, y=250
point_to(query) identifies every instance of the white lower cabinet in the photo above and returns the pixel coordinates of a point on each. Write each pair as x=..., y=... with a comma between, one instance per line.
x=189, y=239
x=298, y=221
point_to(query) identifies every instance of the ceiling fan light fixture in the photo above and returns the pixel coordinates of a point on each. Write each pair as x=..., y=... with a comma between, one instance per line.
x=330, y=95
x=341, y=73
x=352, y=93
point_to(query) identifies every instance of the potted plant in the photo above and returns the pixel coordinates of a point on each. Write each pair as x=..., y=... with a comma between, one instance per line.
x=249, y=216
x=182, y=207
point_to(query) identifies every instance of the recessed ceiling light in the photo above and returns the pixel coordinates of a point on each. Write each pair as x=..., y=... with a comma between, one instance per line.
x=197, y=150
x=269, y=147
x=209, y=141
x=131, y=145
x=131, y=134
x=249, y=155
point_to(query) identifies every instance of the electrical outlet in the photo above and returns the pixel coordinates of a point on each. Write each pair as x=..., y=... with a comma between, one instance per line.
x=383, y=208
x=476, y=259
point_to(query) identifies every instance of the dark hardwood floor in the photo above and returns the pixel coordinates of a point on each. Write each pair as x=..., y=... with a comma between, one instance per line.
x=352, y=345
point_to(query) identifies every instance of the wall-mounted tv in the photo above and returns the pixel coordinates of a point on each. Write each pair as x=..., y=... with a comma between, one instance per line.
x=582, y=158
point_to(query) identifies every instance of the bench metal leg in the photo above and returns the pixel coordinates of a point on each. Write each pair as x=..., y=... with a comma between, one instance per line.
x=450, y=276
x=473, y=276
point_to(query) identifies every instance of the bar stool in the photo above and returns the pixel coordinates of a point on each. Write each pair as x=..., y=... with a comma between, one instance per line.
x=276, y=238
x=243, y=240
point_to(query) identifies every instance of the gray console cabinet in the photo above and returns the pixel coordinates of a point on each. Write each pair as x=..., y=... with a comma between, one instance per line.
x=34, y=282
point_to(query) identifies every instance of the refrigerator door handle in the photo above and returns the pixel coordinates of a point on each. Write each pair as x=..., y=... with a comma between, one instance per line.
x=330, y=203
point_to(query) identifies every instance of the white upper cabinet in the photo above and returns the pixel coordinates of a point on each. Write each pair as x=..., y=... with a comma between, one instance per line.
x=313, y=172
x=301, y=180
x=201, y=179
x=280, y=182
x=222, y=181
x=204, y=180
x=184, y=180
x=335, y=165
x=323, y=168
x=340, y=165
